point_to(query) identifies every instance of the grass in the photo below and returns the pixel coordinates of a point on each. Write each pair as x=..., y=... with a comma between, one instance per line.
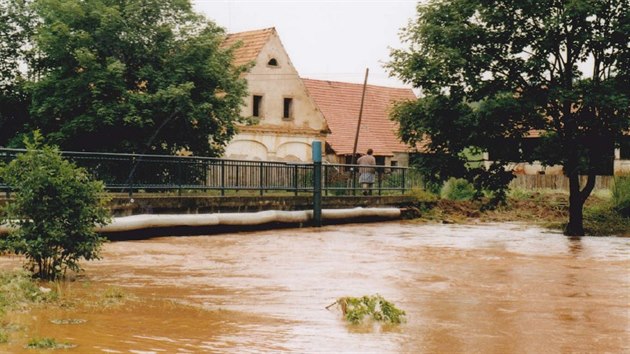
x=19, y=292
x=621, y=195
x=605, y=219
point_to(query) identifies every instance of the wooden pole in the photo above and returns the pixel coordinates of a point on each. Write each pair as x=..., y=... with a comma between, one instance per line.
x=356, y=136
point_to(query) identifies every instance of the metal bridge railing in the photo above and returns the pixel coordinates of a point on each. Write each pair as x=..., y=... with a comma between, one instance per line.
x=132, y=173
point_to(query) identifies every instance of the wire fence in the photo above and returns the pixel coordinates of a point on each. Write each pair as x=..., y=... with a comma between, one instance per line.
x=133, y=173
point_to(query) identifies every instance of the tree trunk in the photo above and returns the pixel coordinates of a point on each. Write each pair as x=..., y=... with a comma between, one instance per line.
x=577, y=198
x=575, y=227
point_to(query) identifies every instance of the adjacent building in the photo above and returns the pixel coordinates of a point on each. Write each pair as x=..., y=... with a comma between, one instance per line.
x=340, y=102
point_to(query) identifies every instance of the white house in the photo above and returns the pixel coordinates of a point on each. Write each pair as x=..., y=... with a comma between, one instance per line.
x=288, y=121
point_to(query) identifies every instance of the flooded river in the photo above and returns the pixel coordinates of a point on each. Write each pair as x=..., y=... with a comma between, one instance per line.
x=491, y=288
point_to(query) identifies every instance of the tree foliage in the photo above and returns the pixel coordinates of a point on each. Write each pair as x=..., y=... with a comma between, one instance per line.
x=132, y=76
x=17, y=22
x=493, y=73
x=53, y=212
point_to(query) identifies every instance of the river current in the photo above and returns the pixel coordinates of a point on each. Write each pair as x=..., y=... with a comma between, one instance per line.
x=487, y=288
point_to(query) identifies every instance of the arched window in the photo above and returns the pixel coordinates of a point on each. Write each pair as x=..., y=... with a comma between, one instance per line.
x=272, y=62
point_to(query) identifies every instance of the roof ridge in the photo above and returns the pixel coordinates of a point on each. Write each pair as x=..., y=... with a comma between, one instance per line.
x=268, y=29
x=358, y=84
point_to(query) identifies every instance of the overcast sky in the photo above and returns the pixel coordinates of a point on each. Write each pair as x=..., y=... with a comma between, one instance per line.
x=330, y=40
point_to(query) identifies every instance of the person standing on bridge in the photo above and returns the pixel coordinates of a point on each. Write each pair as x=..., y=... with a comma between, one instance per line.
x=367, y=172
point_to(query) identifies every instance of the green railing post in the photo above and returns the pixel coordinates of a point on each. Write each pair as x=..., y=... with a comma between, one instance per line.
x=179, y=177
x=238, y=180
x=403, y=181
x=317, y=183
x=132, y=159
x=262, y=178
x=222, y=178
x=295, y=178
x=325, y=186
x=354, y=180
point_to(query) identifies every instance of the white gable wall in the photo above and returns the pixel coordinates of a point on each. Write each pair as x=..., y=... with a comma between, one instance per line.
x=284, y=139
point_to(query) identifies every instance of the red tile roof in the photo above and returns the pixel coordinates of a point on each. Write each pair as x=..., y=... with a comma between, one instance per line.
x=252, y=44
x=340, y=103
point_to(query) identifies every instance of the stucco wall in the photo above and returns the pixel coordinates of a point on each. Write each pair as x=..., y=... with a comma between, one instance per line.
x=274, y=146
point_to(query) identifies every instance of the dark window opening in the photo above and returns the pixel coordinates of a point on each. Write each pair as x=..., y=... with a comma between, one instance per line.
x=380, y=161
x=288, y=108
x=272, y=62
x=394, y=163
x=256, y=106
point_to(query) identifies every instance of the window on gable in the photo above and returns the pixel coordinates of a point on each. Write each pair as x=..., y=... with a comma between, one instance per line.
x=272, y=62
x=288, y=108
x=257, y=106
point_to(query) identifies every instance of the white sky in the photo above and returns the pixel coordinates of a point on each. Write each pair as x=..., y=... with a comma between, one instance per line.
x=330, y=39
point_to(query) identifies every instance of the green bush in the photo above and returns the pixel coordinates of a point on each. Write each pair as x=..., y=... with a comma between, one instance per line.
x=423, y=195
x=621, y=195
x=458, y=189
x=604, y=220
x=54, y=211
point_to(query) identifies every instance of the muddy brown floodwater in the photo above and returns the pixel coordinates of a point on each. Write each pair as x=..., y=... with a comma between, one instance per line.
x=491, y=288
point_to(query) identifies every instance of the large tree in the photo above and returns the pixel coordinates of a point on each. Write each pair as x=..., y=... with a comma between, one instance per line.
x=132, y=76
x=494, y=72
x=17, y=22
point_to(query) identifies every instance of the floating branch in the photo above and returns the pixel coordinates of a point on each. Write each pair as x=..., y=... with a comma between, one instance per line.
x=356, y=309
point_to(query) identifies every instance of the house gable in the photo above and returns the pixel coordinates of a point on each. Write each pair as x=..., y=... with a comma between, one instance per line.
x=283, y=99
x=287, y=119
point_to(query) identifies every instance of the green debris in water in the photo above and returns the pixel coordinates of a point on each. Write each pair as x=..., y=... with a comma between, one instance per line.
x=356, y=309
x=67, y=321
x=47, y=343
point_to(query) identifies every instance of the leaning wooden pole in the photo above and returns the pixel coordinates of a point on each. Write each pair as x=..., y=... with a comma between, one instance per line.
x=356, y=136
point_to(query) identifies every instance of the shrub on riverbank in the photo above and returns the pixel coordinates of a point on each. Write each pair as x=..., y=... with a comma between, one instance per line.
x=457, y=189
x=55, y=207
x=621, y=195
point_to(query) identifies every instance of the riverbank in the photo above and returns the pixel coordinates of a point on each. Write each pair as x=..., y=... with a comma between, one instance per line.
x=544, y=208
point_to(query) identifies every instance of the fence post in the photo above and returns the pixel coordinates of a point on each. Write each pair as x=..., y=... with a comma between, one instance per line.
x=262, y=178
x=325, y=186
x=354, y=179
x=222, y=178
x=295, y=178
x=403, y=181
x=179, y=177
x=133, y=161
x=317, y=183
